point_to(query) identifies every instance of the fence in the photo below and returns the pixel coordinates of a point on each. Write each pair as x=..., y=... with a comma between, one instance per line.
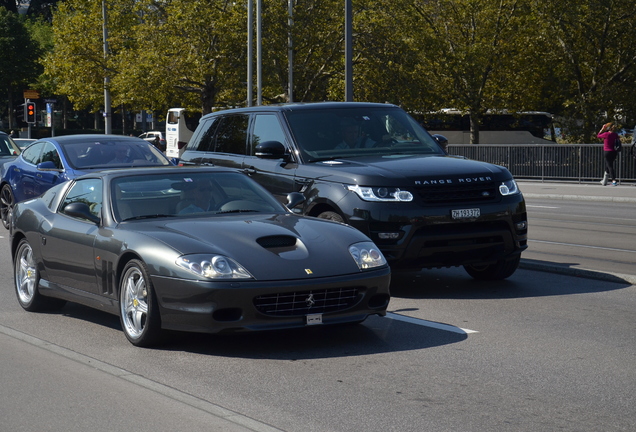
x=573, y=162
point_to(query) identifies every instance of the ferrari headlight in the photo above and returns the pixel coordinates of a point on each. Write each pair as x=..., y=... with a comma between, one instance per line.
x=213, y=267
x=381, y=194
x=367, y=255
x=508, y=187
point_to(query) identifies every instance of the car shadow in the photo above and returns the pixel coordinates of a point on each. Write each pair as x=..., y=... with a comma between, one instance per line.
x=537, y=280
x=374, y=336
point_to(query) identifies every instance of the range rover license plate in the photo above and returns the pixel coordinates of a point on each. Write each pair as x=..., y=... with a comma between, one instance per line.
x=465, y=213
x=314, y=319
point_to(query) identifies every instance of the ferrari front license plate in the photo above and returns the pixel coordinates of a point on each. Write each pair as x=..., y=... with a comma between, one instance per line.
x=314, y=319
x=466, y=213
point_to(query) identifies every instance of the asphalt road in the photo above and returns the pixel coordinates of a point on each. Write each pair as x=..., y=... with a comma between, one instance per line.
x=539, y=351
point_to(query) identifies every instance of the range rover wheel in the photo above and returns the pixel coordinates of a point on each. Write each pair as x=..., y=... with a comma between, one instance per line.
x=331, y=215
x=139, y=312
x=502, y=269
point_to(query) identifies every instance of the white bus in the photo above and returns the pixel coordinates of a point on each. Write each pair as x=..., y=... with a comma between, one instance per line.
x=180, y=125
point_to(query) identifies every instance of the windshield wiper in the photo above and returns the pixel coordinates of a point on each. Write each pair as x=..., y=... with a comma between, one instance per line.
x=149, y=216
x=237, y=211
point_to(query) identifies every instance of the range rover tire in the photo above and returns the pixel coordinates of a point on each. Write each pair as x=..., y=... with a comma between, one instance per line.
x=331, y=216
x=502, y=269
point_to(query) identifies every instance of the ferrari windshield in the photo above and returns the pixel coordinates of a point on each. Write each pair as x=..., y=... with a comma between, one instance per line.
x=361, y=131
x=186, y=194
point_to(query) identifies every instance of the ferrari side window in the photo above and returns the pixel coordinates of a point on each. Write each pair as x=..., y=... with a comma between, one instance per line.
x=87, y=191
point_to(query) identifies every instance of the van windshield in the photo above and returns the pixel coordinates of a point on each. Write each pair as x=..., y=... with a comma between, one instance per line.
x=357, y=132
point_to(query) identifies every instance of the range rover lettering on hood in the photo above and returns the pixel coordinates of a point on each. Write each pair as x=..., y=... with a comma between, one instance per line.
x=453, y=181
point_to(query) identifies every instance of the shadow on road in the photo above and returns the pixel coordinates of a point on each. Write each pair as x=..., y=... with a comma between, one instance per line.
x=526, y=282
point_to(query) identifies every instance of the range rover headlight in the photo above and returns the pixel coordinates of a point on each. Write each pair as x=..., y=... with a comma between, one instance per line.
x=213, y=266
x=381, y=194
x=367, y=255
x=508, y=187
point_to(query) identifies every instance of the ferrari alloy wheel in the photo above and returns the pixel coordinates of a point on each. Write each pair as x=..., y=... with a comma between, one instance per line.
x=6, y=202
x=26, y=279
x=139, y=313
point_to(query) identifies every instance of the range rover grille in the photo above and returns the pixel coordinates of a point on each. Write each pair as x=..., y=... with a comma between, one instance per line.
x=447, y=193
x=307, y=302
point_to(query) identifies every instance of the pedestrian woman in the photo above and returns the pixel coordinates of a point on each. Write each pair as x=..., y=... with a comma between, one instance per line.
x=609, y=137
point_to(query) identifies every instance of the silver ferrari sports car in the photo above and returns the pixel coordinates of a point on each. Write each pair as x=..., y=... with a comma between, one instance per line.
x=197, y=249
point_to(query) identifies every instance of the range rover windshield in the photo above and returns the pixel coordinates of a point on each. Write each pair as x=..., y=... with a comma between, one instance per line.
x=357, y=132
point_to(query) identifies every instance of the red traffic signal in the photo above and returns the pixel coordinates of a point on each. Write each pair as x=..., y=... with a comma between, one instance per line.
x=29, y=112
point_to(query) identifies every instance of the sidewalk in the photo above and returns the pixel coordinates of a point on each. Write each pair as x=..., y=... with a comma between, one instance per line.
x=554, y=190
x=625, y=192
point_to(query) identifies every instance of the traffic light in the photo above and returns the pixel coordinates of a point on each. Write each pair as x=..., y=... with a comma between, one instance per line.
x=29, y=112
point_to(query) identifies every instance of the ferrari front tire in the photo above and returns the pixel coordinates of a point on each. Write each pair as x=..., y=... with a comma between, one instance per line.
x=139, y=312
x=26, y=279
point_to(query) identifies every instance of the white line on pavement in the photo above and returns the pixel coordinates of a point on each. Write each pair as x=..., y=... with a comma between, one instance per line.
x=440, y=326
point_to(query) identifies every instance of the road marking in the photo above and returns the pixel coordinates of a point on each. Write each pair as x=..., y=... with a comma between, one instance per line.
x=537, y=206
x=433, y=324
x=583, y=246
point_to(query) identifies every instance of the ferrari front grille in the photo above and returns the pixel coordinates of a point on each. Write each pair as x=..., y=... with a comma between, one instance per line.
x=307, y=302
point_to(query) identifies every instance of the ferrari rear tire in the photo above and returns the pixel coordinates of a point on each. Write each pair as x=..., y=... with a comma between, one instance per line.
x=6, y=203
x=502, y=269
x=26, y=279
x=139, y=311
x=331, y=215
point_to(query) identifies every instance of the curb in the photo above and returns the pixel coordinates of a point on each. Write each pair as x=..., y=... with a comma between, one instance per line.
x=578, y=272
x=580, y=198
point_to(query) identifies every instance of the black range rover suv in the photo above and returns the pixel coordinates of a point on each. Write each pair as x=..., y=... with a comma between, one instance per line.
x=374, y=167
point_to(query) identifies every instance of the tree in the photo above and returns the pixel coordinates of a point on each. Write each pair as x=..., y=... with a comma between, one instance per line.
x=594, y=42
x=468, y=50
x=19, y=57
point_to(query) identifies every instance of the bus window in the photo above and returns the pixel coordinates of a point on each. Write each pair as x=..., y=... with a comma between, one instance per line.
x=495, y=128
x=180, y=125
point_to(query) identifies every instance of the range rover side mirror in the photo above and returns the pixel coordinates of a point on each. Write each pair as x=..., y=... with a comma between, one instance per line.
x=441, y=140
x=271, y=150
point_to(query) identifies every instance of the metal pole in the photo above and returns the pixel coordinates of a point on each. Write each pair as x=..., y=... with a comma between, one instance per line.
x=250, y=54
x=107, y=113
x=259, y=64
x=290, y=50
x=348, y=52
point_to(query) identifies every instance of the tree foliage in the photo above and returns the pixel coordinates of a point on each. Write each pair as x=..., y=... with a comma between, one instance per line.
x=19, y=57
x=574, y=58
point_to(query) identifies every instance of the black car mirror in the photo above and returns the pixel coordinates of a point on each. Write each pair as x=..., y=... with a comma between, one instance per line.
x=48, y=166
x=294, y=198
x=271, y=150
x=80, y=210
x=441, y=140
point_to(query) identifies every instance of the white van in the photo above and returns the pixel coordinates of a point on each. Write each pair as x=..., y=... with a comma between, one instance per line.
x=180, y=125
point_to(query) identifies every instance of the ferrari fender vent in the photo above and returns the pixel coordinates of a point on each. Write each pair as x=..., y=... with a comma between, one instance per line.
x=278, y=241
x=307, y=302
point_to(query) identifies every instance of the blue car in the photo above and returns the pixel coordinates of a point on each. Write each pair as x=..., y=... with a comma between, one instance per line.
x=51, y=161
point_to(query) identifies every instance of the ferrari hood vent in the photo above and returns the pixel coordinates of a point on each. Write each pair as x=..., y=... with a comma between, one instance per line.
x=277, y=241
